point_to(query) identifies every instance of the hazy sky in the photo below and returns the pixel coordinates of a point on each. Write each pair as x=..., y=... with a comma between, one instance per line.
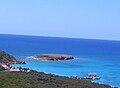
x=98, y=19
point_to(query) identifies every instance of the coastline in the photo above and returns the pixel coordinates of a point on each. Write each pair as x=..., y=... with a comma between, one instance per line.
x=41, y=80
x=89, y=53
x=7, y=68
x=53, y=63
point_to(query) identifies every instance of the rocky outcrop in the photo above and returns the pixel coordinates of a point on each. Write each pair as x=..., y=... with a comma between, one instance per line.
x=7, y=58
x=53, y=57
x=2, y=68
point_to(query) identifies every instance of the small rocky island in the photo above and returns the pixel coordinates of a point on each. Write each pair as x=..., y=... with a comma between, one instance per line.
x=9, y=59
x=53, y=57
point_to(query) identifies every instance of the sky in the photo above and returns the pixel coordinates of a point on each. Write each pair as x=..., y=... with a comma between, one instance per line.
x=93, y=19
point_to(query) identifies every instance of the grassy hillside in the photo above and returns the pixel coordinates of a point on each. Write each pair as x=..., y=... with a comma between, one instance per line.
x=41, y=80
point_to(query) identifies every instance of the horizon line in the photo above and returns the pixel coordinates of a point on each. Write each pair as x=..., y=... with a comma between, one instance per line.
x=60, y=37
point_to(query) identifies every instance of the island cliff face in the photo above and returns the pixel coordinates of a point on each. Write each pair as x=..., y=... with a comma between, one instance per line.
x=7, y=58
x=53, y=57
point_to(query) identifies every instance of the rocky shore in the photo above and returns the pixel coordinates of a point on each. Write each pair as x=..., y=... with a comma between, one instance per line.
x=53, y=57
x=9, y=59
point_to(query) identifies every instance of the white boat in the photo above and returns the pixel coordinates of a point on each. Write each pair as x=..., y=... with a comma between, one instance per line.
x=91, y=76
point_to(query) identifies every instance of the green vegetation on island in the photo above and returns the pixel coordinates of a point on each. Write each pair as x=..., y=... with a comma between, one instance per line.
x=53, y=57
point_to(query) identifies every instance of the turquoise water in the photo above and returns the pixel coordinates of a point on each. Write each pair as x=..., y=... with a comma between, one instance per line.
x=98, y=56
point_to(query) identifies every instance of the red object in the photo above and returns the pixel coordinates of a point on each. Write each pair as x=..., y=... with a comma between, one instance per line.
x=91, y=75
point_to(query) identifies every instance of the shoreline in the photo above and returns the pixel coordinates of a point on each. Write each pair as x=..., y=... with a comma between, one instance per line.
x=22, y=69
x=112, y=86
x=37, y=79
x=10, y=69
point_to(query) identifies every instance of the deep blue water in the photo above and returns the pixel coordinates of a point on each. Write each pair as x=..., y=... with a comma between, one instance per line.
x=99, y=56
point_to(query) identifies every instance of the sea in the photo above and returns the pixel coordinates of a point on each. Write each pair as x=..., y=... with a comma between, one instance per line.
x=91, y=56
